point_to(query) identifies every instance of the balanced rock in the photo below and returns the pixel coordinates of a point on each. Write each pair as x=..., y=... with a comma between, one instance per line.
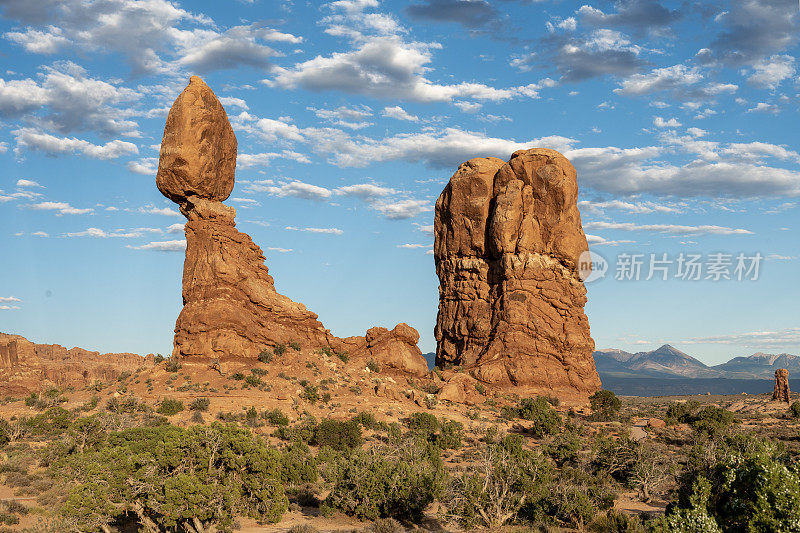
x=781, y=392
x=230, y=305
x=508, y=239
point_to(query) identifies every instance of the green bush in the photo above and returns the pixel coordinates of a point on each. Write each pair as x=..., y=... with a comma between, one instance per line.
x=279, y=349
x=310, y=393
x=265, y=356
x=373, y=366
x=605, y=405
x=451, y=432
x=387, y=482
x=294, y=345
x=681, y=413
x=200, y=404
x=276, y=417
x=344, y=356
x=423, y=423
x=546, y=421
x=173, y=364
x=172, y=477
x=169, y=407
x=340, y=436
x=795, y=409
x=712, y=420
x=366, y=419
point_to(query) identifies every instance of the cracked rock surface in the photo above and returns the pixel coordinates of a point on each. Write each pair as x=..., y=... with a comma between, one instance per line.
x=508, y=239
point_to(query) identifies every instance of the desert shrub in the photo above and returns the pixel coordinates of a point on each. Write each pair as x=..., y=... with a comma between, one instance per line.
x=294, y=345
x=173, y=364
x=366, y=419
x=279, y=349
x=605, y=405
x=545, y=420
x=712, y=420
x=301, y=432
x=197, y=417
x=265, y=356
x=310, y=393
x=794, y=409
x=169, y=407
x=385, y=525
x=451, y=432
x=253, y=380
x=423, y=424
x=571, y=500
x=303, y=528
x=563, y=448
x=642, y=465
x=397, y=482
x=373, y=366
x=171, y=477
x=158, y=359
x=681, y=413
x=238, y=376
x=743, y=483
x=260, y=372
x=344, y=356
x=276, y=417
x=493, y=491
x=339, y=435
x=298, y=466
x=200, y=404
x=8, y=518
x=616, y=522
x=49, y=424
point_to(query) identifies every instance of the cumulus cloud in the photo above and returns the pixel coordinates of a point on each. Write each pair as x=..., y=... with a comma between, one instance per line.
x=33, y=139
x=9, y=299
x=398, y=113
x=146, y=166
x=295, y=189
x=639, y=16
x=155, y=36
x=402, y=209
x=468, y=13
x=153, y=210
x=175, y=228
x=753, y=29
x=771, y=71
x=629, y=206
x=61, y=208
x=659, y=122
x=347, y=117
x=365, y=191
x=28, y=183
x=66, y=99
x=161, y=246
x=680, y=81
x=98, y=233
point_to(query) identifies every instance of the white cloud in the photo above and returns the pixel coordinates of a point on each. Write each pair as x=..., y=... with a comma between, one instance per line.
x=9, y=299
x=68, y=100
x=162, y=246
x=32, y=139
x=329, y=231
x=40, y=234
x=414, y=246
x=401, y=209
x=153, y=210
x=347, y=117
x=295, y=189
x=146, y=166
x=398, y=113
x=176, y=228
x=769, y=72
x=365, y=191
x=62, y=208
x=280, y=250
x=8, y=307
x=666, y=228
x=424, y=228
x=764, y=107
x=98, y=233
x=27, y=183
x=631, y=207
x=682, y=81
x=230, y=101
x=596, y=240
x=659, y=122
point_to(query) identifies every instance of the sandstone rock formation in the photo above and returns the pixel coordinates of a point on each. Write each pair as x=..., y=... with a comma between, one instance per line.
x=26, y=367
x=781, y=392
x=231, y=307
x=508, y=237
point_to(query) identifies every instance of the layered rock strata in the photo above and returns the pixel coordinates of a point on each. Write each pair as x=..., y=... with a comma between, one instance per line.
x=508, y=239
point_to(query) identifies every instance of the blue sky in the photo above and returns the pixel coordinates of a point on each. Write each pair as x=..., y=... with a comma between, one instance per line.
x=352, y=115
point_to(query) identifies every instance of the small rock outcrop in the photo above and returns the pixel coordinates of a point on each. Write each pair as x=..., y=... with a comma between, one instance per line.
x=230, y=305
x=781, y=392
x=27, y=367
x=508, y=238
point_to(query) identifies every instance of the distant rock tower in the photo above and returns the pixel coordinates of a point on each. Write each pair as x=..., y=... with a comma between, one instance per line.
x=508, y=241
x=781, y=392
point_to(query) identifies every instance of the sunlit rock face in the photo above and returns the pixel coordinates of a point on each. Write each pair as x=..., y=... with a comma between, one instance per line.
x=508, y=239
x=230, y=305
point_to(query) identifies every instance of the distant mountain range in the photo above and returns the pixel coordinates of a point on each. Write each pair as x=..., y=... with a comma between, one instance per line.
x=668, y=362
